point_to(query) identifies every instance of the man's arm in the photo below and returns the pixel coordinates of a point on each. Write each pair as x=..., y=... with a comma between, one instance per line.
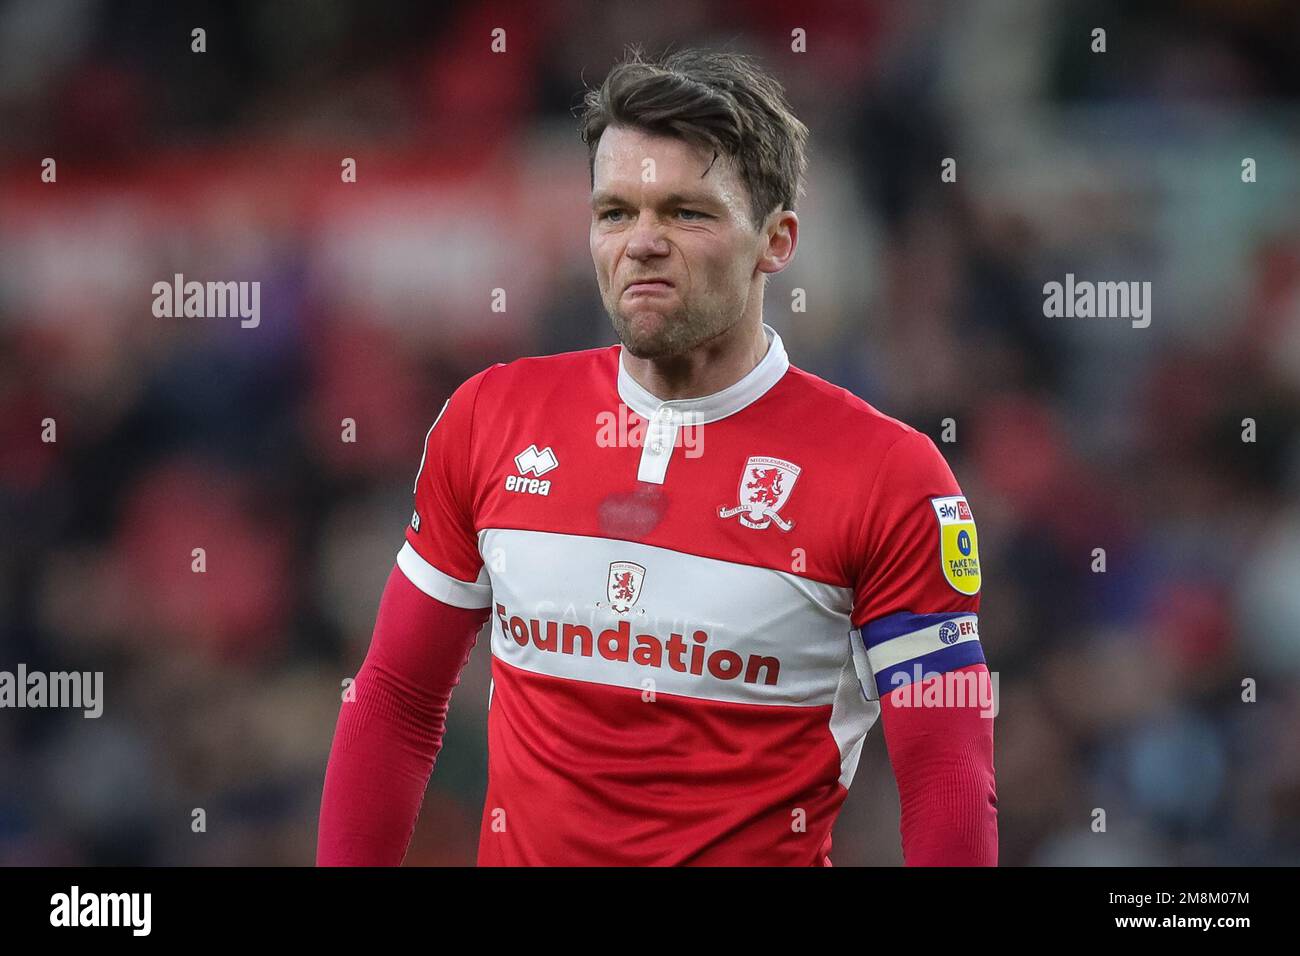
x=388, y=736
x=436, y=599
x=917, y=605
x=943, y=763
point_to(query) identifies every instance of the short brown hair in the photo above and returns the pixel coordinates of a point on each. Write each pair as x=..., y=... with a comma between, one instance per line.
x=715, y=99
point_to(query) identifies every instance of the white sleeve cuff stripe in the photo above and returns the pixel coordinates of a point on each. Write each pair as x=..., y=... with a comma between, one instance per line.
x=443, y=587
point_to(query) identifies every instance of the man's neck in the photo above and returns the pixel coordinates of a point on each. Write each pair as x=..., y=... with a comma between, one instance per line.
x=713, y=366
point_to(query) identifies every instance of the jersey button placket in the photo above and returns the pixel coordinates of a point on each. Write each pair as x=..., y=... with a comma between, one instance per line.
x=664, y=426
x=661, y=437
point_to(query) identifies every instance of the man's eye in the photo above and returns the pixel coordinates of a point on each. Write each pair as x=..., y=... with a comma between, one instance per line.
x=610, y=212
x=693, y=212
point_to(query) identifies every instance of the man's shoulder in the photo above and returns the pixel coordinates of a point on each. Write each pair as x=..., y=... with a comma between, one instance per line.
x=540, y=374
x=899, y=463
x=837, y=413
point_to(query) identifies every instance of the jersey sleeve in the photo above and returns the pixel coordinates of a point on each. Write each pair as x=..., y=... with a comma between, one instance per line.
x=441, y=556
x=390, y=730
x=916, y=595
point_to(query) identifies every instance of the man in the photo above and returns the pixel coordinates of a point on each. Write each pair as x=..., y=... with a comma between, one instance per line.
x=707, y=572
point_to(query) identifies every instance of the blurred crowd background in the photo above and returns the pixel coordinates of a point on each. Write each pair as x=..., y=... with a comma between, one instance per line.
x=1119, y=690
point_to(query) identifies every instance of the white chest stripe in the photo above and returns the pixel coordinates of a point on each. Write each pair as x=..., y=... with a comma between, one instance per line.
x=687, y=625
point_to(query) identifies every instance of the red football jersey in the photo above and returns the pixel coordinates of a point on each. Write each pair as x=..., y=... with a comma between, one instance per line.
x=695, y=604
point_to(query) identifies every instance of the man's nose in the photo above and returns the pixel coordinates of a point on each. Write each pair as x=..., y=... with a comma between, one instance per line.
x=647, y=238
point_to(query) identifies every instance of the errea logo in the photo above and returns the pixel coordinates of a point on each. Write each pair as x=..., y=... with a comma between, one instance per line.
x=537, y=462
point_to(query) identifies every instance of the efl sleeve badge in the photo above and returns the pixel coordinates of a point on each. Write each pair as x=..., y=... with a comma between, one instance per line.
x=958, y=545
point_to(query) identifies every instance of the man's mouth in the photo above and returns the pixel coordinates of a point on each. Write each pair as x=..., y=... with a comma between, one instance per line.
x=648, y=287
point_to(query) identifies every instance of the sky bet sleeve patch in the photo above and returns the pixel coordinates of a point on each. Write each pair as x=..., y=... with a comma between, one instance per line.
x=958, y=546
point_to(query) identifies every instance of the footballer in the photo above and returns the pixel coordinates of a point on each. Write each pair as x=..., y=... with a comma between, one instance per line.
x=696, y=615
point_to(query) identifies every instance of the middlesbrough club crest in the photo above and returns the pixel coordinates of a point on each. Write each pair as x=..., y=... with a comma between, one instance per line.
x=624, y=588
x=765, y=484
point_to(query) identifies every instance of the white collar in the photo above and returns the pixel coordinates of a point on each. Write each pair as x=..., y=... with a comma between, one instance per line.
x=710, y=408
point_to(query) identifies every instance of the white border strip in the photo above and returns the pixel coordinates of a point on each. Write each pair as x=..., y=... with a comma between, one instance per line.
x=443, y=587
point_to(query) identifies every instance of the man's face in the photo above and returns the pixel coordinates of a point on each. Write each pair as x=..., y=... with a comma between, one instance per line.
x=665, y=220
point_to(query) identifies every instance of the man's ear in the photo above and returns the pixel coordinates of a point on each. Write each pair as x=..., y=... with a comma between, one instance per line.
x=781, y=237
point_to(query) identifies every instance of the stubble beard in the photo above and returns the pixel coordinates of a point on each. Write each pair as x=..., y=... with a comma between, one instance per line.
x=669, y=333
